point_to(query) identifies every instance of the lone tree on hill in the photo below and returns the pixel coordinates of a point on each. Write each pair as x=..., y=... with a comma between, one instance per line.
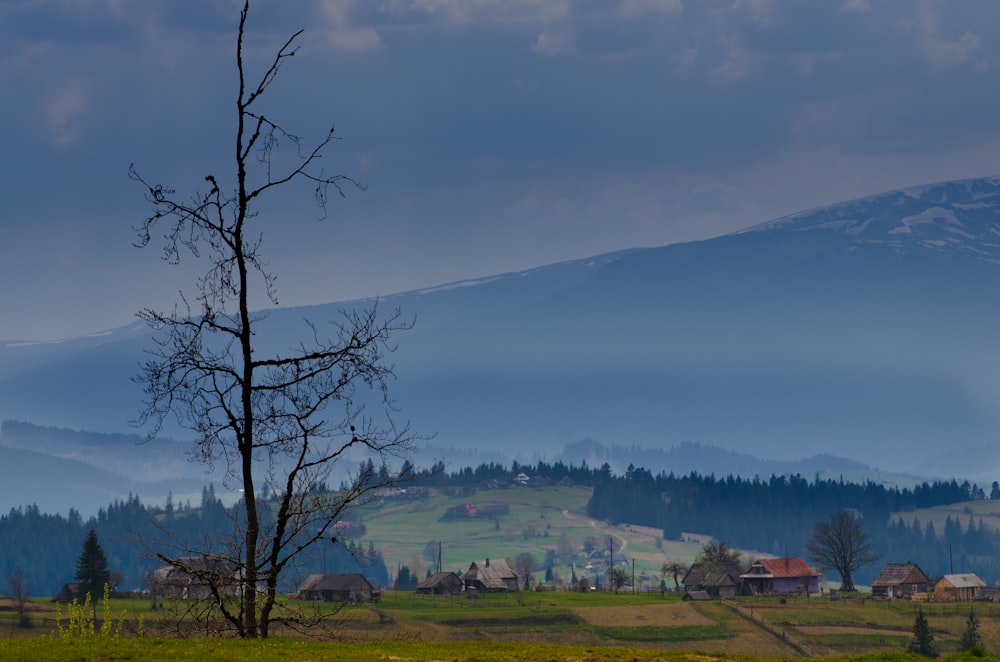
x=269, y=415
x=92, y=571
x=839, y=543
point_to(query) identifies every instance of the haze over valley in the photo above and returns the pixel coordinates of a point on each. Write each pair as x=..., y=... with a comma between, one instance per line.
x=864, y=330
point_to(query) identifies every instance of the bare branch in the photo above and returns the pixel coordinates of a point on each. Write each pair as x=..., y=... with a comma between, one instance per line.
x=289, y=417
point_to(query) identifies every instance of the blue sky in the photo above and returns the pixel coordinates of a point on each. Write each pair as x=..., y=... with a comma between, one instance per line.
x=493, y=135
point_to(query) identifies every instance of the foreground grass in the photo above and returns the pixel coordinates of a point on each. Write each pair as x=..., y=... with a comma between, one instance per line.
x=139, y=650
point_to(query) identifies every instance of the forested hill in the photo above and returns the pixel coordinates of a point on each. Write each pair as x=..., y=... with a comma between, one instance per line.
x=777, y=515
x=774, y=515
x=45, y=547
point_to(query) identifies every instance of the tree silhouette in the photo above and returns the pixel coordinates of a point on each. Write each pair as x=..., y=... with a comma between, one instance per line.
x=92, y=571
x=19, y=591
x=922, y=642
x=971, y=638
x=673, y=568
x=839, y=543
x=269, y=414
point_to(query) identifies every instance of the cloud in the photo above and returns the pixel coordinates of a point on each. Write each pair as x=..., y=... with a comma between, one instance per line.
x=555, y=40
x=856, y=5
x=636, y=8
x=947, y=53
x=342, y=31
x=928, y=25
x=487, y=11
x=62, y=110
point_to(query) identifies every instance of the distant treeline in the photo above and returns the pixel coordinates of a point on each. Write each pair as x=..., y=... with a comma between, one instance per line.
x=46, y=547
x=774, y=515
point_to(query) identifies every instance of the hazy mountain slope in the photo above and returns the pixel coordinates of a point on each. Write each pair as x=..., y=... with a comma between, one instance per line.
x=866, y=329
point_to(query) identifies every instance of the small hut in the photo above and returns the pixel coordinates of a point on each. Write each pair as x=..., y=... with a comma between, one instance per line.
x=337, y=588
x=957, y=588
x=441, y=583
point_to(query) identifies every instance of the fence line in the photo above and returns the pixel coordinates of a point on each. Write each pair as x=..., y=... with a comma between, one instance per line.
x=780, y=633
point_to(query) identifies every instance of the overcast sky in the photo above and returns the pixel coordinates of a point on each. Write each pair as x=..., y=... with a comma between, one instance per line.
x=493, y=135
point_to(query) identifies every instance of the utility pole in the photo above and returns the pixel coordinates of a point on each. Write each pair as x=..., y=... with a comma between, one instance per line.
x=611, y=562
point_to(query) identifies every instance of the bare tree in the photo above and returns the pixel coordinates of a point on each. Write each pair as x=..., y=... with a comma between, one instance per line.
x=673, y=568
x=839, y=543
x=268, y=418
x=17, y=587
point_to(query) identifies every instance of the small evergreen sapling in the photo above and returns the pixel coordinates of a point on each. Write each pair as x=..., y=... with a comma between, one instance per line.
x=922, y=642
x=971, y=638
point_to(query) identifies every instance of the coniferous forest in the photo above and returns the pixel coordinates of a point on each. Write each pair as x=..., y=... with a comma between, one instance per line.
x=774, y=515
x=45, y=547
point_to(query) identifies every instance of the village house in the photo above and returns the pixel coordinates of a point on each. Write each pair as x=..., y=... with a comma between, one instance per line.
x=441, y=583
x=900, y=580
x=68, y=593
x=957, y=588
x=337, y=588
x=785, y=576
x=193, y=578
x=490, y=576
x=717, y=581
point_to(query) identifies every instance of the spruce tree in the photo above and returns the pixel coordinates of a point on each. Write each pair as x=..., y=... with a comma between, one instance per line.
x=92, y=568
x=971, y=637
x=922, y=642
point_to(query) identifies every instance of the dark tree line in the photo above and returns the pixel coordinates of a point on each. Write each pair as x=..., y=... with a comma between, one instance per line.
x=45, y=548
x=776, y=515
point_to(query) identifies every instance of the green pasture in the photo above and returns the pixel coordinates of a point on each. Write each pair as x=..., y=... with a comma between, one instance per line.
x=988, y=510
x=57, y=650
x=550, y=625
x=540, y=519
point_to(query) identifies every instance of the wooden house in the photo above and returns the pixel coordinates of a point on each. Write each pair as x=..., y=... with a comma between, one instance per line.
x=718, y=581
x=441, y=583
x=193, y=578
x=490, y=577
x=787, y=576
x=337, y=588
x=957, y=588
x=67, y=593
x=900, y=580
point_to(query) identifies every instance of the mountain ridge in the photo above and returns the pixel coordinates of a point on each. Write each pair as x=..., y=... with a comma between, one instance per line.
x=789, y=338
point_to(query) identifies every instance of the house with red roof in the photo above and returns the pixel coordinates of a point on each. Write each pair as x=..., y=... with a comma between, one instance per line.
x=780, y=577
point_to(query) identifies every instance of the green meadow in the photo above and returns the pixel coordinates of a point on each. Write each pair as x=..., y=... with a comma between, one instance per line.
x=553, y=625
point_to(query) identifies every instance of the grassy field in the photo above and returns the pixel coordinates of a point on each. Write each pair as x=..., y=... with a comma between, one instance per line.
x=541, y=518
x=535, y=625
x=293, y=651
x=988, y=510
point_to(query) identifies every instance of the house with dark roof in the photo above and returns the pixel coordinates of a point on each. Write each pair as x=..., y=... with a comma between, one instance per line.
x=490, y=576
x=68, y=593
x=900, y=580
x=780, y=577
x=957, y=588
x=194, y=578
x=441, y=583
x=352, y=587
x=716, y=580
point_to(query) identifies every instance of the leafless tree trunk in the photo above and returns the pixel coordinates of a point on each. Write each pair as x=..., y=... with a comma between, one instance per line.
x=267, y=417
x=17, y=587
x=839, y=543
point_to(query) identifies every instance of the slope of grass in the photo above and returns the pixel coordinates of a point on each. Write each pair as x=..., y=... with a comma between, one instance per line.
x=540, y=519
